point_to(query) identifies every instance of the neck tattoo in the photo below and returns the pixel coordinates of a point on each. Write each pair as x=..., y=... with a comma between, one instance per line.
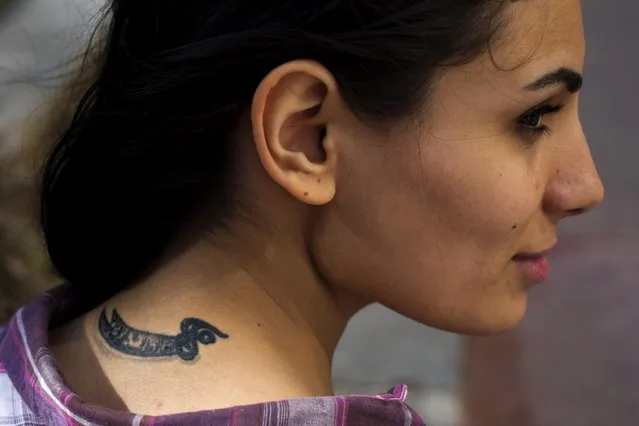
x=143, y=344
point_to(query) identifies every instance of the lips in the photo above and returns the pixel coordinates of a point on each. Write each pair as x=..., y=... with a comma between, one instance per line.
x=534, y=266
x=535, y=255
x=536, y=270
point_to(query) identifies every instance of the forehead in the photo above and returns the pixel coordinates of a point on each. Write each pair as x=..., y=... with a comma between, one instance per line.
x=541, y=33
x=538, y=37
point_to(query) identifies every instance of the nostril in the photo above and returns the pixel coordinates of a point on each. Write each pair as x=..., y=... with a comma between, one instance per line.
x=577, y=212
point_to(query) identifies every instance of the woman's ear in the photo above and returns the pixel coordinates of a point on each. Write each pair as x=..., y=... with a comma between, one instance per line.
x=291, y=119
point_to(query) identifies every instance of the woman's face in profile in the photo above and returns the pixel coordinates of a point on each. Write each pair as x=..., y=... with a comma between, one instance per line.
x=444, y=220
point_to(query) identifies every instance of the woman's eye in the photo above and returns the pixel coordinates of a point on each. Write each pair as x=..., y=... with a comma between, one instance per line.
x=532, y=120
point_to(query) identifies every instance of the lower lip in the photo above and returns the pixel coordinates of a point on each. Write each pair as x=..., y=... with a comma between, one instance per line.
x=536, y=269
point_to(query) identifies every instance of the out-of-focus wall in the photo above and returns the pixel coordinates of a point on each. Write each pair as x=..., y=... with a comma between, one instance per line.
x=38, y=40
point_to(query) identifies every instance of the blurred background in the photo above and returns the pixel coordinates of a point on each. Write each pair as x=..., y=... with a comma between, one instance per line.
x=574, y=361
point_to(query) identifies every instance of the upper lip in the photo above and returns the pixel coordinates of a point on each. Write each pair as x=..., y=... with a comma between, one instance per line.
x=537, y=254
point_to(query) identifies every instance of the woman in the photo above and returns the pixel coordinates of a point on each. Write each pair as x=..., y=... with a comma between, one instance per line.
x=243, y=177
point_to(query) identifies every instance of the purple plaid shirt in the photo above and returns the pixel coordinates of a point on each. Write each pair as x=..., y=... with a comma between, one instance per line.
x=32, y=391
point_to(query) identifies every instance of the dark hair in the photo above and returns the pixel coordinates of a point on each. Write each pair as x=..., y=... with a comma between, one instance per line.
x=149, y=142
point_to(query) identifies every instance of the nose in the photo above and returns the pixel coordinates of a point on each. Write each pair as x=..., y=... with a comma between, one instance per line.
x=575, y=186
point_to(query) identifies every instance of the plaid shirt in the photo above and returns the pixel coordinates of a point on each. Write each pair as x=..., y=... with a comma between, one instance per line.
x=32, y=391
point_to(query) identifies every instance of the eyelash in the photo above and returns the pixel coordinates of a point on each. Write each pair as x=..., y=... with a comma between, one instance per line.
x=542, y=110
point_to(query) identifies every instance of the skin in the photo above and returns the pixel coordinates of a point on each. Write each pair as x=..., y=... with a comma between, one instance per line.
x=424, y=216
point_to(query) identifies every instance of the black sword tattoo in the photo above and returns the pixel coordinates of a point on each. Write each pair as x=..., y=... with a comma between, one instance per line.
x=128, y=340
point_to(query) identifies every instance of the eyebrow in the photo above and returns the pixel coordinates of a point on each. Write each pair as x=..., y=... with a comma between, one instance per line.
x=572, y=79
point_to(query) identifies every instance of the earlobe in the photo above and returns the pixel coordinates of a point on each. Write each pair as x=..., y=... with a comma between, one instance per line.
x=291, y=118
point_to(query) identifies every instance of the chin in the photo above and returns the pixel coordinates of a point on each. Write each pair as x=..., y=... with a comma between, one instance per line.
x=484, y=322
x=495, y=322
x=491, y=328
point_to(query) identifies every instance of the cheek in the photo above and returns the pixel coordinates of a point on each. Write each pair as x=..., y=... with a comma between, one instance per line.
x=478, y=190
x=427, y=230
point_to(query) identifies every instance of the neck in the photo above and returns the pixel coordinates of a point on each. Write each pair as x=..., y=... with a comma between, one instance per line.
x=282, y=321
